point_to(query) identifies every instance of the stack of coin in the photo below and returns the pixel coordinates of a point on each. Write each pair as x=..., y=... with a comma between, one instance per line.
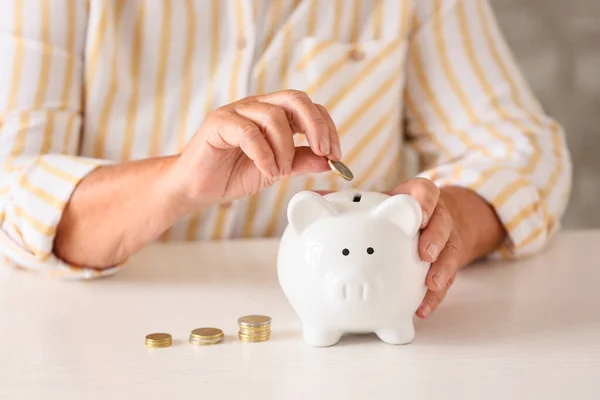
x=254, y=328
x=158, y=340
x=206, y=336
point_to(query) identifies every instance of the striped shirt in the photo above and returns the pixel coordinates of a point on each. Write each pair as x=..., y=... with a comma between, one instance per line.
x=84, y=83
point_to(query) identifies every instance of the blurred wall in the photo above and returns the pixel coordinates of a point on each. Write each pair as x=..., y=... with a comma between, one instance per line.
x=557, y=44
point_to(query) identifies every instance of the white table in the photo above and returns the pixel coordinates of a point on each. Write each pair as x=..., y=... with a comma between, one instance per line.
x=525, y=330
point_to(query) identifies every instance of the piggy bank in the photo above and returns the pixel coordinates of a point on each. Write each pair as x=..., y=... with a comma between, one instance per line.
x=348, y=262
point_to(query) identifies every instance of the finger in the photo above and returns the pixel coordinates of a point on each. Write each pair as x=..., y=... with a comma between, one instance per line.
x=444, y=267
x=435, y=235
x=307, y=162
x=432, y=300
x=424, y=191
x=304, y=116
x=230, y=130
x=334, y=139
x=274, y=123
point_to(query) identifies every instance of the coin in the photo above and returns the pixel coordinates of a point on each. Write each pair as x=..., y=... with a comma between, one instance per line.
x=341, y=169
x=206, y=336
x=247, y=338
x=158, y=340
x=254, y=321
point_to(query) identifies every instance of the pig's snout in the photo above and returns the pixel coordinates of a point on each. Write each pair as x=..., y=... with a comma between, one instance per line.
x=354, y=292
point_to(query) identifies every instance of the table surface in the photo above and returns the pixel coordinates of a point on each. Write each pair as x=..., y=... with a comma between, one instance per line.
x=506, y=330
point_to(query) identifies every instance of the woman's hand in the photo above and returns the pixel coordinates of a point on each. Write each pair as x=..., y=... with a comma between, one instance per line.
x=458, y=227
x=248, y=145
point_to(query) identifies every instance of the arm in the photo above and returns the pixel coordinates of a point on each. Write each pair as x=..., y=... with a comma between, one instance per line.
x=496, y=156
x=40, y=120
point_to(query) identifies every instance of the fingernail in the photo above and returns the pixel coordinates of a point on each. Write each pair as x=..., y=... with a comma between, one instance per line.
x=439, y=280
x=425, y=310
x=433, y=251
x=425, y=219
x=336, y=151
x=325, y=145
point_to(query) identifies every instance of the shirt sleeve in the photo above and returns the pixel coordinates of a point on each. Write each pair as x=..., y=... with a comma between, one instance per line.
x=475, y=123
x=41, y=48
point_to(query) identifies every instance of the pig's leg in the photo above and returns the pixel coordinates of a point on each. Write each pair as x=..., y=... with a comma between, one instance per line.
x=320, y=336
x=400, y=333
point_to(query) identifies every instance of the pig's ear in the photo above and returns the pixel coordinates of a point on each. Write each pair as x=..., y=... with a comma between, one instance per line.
x=403, y=210
x=305, y=208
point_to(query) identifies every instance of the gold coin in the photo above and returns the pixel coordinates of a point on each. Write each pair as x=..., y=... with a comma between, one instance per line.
x=254, y=329
x=158, y=340
x=247, y=338
x=341, y=169
x=206, y=336
x=254, y=321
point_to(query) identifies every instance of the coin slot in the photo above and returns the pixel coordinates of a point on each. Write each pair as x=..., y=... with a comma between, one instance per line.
x=357, y=197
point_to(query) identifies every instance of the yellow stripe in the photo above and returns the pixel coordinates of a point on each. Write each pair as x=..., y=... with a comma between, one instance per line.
x=378, y=20
x=525, y=212
x=368, y=137
x=279, y=202
x=15, y=81
x=310, y=183
x=59, y=173
x=496, y=55
x=132, y=108
x=406, y=12
x=3, y=191
x=68, y=133
x=392, y=170
x=476, y=66
x=422, y=127
x=375, y=163
x=42, y=194
x=186, y=90
x=417, y=61
x=484, y=177
x=209, y=102
x=46, y=59
x=368, y=69
x=37, y=252
x=365, y=106
x=239, y=17
x=535, y=158
x=557, y=148
x=161, y=73
x=48, y=132
x=194, y=224
x=21, y=134
x=222, y=212
x=69, y=71
x=337, y=19
x=453, y=79
x=274, y=19
x=532, y=237
x=312, y=18
x=312, y=54
x=39, y=258
x=354, y=27
x=508, y=191
x=96, y=47
x=112, y=89
x=285, y=55
x=40, y=227
x=251, y=215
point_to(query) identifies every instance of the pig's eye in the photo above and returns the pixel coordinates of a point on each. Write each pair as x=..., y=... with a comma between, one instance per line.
x=345, y=252
x=370, y=250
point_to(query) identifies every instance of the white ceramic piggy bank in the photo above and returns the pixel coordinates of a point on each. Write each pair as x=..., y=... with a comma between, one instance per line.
x=348, y=262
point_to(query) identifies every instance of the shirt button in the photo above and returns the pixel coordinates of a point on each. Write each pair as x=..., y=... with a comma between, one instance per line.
x=241, y=43
x=356, y=55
